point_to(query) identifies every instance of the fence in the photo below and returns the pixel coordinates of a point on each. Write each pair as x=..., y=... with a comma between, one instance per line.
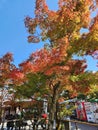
x=67, y=124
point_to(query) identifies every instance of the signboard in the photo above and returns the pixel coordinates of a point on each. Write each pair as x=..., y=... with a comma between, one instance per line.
x=95, y=105
x=89, y=112
x=80, y=110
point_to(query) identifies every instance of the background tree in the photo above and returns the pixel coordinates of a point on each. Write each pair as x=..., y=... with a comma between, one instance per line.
x=6, y=66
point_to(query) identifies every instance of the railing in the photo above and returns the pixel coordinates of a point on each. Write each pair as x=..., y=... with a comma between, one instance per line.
x=82, y=122
x=67, y=124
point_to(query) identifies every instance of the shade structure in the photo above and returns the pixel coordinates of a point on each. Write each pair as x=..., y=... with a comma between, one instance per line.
x=22, y=103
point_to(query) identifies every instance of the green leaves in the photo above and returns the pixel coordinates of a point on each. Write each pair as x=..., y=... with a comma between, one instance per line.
x=87, y=77
x=35, y=84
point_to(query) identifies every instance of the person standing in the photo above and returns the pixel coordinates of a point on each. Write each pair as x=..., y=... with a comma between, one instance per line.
x=10, y=122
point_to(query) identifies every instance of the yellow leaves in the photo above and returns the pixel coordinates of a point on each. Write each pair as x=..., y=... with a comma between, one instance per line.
x=95, y=36
x=93, y=92
x=61, y=20
x=91, y=40
x=77, y=20
x=94, y=88
x=75, y=37
x=69, y=87
x=74, y=78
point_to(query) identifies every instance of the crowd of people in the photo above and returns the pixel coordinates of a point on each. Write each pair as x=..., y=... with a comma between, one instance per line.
x=17, y=120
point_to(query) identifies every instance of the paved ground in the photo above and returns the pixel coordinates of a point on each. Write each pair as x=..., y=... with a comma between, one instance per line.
x=83, y=127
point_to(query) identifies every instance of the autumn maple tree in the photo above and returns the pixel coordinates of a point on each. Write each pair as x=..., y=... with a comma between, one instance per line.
x=61, y=32
x=54, y=76
x=6, y=66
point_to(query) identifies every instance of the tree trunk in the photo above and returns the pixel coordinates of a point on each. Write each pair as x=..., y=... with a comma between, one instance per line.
x=52, y=109
x=2, y=120
x=2, y=109
x=52, y=119
x=67, y=125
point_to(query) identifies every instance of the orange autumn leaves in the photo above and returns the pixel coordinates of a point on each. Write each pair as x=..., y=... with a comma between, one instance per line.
x=8, y=71
x=65, y=19
x=6, y=66
x=46, y=61
x=17, y=76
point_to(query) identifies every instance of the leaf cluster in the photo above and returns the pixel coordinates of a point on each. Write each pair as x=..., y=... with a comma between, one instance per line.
x=35, y=84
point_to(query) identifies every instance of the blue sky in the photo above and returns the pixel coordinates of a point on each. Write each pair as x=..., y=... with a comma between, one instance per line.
x=13, y=34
